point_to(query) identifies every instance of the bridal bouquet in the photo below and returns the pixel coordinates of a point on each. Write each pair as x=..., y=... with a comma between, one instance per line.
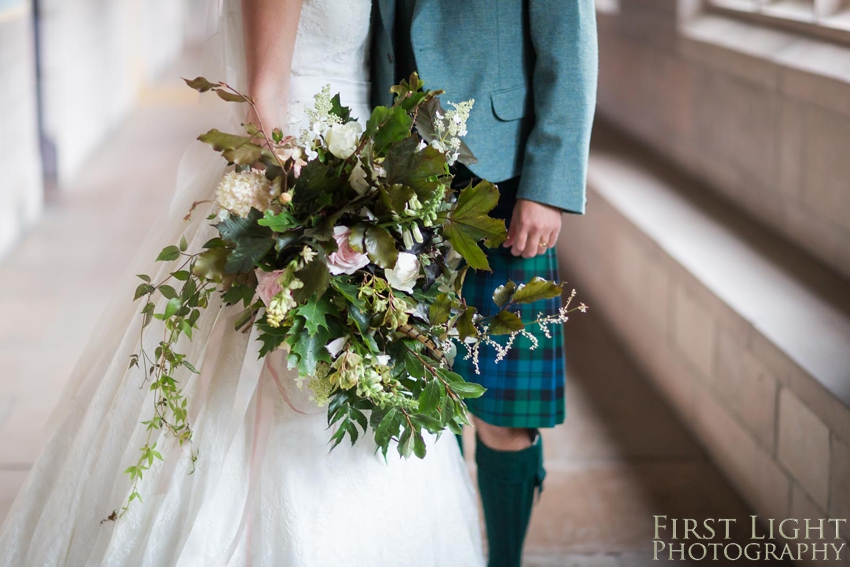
x=347, y=248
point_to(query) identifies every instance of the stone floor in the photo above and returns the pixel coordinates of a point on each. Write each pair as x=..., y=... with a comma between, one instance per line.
x=620, y=458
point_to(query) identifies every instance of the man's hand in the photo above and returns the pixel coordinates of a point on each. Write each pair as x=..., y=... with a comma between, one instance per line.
x=534, y=228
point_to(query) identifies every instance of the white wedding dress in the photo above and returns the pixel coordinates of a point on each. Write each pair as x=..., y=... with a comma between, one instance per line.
x=265, y=491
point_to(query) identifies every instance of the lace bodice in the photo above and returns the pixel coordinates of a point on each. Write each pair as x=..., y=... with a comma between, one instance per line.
x=333, y=40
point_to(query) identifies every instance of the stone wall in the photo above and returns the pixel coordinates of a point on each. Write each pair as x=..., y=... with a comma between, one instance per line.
x=760, y=113
x=717, y=241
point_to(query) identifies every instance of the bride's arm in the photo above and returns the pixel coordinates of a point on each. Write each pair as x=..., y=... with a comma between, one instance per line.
x=270, y=27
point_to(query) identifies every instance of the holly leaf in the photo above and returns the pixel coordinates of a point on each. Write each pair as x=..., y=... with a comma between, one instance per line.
x=308, y=348
x=505, y=323
x=380, y=246
x=503, y=293
x=316, y=278
x=535, y=290
x=468, y=223
x=315, y=313
x=251, y=241
x=343, y=112
x=239, y=292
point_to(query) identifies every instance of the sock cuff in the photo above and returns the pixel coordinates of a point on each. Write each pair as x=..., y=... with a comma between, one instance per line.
x=510, y=466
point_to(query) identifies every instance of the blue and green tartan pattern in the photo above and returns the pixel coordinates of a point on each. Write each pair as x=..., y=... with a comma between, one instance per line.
x=526, y=388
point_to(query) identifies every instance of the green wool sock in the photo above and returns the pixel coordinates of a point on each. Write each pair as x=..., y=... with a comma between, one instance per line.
x=507, y=481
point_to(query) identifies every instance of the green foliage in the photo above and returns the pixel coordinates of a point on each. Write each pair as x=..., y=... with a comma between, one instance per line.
x=468, y=223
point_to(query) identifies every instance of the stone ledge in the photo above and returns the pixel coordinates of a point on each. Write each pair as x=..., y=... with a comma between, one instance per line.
x=816, y=71
x=791, y=300
x=753, y=349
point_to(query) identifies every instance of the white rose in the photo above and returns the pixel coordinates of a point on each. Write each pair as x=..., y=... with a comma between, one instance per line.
x=342, y=139
x=405, y=272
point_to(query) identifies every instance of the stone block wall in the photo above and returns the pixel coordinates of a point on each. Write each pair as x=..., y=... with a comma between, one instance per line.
x=760, y=113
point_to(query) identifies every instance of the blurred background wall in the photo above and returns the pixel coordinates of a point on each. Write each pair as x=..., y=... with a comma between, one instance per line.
x=72, y=70
x=717, y=244
x=715, y=254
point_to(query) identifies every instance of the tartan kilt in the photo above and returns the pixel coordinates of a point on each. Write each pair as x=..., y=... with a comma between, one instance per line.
x=526, y=388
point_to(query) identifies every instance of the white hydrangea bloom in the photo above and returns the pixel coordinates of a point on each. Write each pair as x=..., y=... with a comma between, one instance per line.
x=239, y=191
x=450, y=128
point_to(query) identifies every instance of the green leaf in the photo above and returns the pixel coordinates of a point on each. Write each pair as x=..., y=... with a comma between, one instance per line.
x=167, y=291
x=144, y=277
x=239, y=292
x=246, y=154
x=168, y=254
x=252, y=241
x=230, y=97
x=316, y=188
x=280, y=222
x=183, y=243
x=388, y=125
x=222, y=141
x=504, y=293
x=505, y=323
x=172, y=307
x=405, y=443
x=380, y=245
x=431, y=396
x=309, y=348
x=419, y=445
x=420, y=170
x=468, y=223
x=337, y=109
x=315, y=313
x=468, y=389
x=316, y=278
x=536, y=289
x=210, y=263
x=200, y=84
x=465, y=326
x=143, y=289
x=355, y=239
x=393, y=199
x=181, y=275
x=440, y=310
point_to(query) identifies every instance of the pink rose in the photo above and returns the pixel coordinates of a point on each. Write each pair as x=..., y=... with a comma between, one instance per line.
x=345, y=260
x=267, y=286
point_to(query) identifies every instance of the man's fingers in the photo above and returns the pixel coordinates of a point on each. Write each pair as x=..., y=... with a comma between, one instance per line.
x=532, y=245
x=519, y=242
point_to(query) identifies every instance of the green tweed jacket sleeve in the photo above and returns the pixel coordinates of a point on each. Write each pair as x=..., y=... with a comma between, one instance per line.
x=563, y=81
